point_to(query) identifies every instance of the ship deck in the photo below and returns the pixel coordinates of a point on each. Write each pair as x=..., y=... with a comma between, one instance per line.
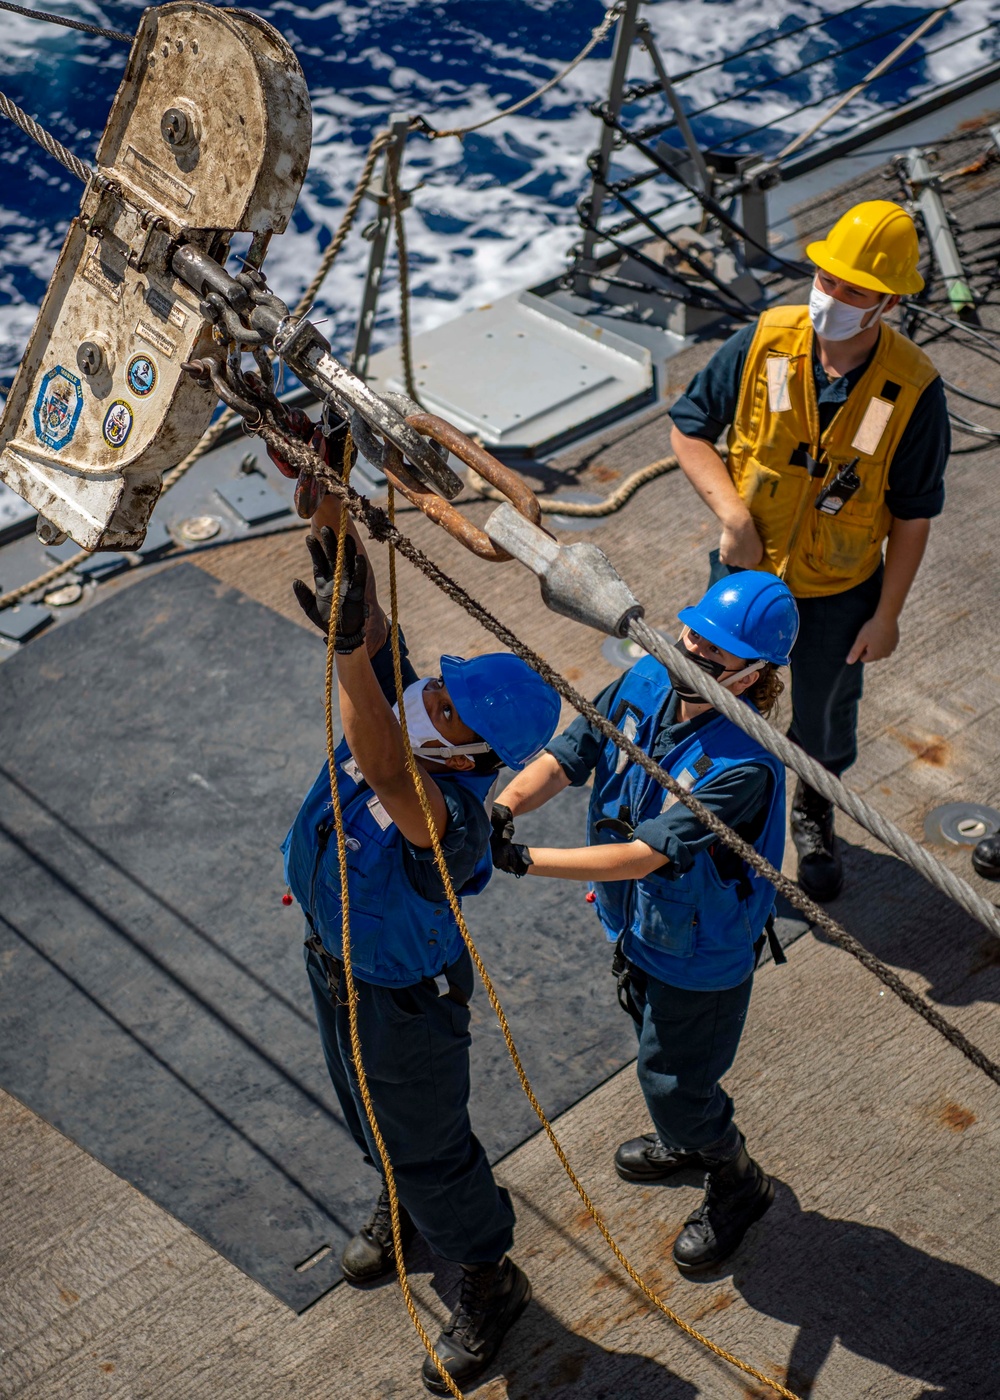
x=876, y=1271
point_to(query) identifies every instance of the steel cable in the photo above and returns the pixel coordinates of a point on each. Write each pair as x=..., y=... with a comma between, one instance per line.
x=382, y=529
x=596, y=36
x=784, y=117
x=45, y=139
x=748, y=719
x=69, y=23
x=495, y=1003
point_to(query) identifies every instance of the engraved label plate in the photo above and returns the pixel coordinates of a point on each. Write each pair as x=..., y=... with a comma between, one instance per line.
x=156, y=338
x=157, y=180
x=104, y=275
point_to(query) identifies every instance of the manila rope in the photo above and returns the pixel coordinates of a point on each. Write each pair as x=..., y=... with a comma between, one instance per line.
x=456, y=910
x=381, y=528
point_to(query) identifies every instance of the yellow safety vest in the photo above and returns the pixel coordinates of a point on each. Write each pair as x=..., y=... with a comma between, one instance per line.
x=775, y=434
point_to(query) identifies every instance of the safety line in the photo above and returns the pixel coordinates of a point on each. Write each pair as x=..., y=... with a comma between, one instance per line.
x=487, y=981
x=382, y=529
x=597, y=35
x=773, y=81
x=784, y=117
x=69, y=23
x=648, y=89
x=869, y=77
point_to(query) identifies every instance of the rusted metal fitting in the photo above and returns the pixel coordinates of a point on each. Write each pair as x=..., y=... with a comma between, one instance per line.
x=522, y=498
x=439, y=510
x=577, y=580
x=211, y=370
x=507, y=482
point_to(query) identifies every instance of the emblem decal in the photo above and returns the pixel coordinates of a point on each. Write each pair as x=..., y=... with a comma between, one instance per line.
x=117, y=424
x=141, y=375
x=57, y=408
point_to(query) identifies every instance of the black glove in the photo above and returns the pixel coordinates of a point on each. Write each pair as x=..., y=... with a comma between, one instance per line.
x=508, y=855
x=502, y=822
x=317, y=606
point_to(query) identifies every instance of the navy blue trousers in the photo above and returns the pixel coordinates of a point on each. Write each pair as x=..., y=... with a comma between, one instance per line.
x=825, y=690
x=415, y=1050
x=687, y=1042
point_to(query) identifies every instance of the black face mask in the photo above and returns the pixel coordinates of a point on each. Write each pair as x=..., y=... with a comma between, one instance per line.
x=715, y=669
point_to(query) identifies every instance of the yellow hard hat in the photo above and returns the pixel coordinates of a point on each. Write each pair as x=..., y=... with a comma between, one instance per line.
x=874, y=245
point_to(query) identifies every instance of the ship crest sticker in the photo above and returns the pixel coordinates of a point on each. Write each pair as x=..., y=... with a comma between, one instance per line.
x=57, y=408
x=140, y=376
x=117, y=424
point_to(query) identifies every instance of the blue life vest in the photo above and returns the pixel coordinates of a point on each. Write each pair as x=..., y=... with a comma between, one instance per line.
x=397, y=936
x=694, y=930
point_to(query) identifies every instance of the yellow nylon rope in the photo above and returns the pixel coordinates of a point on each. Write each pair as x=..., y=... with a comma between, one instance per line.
x=456, y=910
x=352, y=996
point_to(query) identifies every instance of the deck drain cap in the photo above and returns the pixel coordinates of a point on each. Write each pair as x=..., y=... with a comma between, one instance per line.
x=961, y=824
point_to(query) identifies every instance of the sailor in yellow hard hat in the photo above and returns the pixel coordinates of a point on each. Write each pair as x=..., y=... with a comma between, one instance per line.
x=838, y=440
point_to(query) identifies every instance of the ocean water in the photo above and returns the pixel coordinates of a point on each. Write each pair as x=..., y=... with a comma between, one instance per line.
x=496, y=211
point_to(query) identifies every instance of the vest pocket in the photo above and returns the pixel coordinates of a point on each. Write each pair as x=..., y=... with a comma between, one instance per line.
x=841, y=543
x=666, y=915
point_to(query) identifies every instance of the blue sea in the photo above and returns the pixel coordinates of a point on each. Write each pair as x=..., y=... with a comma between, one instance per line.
x=496, y=211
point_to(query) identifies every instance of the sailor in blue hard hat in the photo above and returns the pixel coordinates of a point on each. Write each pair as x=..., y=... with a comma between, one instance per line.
x=412, y=971
x=687, y=916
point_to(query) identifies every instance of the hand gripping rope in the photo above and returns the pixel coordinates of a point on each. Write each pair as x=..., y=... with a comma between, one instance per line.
x=456, y=910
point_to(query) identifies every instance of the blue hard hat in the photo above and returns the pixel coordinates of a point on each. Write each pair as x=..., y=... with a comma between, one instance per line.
x=750, y=613
x=505, y=702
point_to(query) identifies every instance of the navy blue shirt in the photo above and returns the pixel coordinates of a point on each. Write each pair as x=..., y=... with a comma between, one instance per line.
x=468, y=831
x=915, y=487
x=739, y=797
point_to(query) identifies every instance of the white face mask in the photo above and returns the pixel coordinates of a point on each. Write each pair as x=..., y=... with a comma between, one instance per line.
x=427, y=742
x=835, y=320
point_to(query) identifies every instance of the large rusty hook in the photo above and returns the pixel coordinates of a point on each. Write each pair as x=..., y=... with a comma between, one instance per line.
x=442, y=512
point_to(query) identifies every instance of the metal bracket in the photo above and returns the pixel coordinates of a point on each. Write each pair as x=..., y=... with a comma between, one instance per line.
x=208, y=135
x=577, y=580
x=928, y=199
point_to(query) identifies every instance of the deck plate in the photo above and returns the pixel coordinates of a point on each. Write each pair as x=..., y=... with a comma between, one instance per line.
x=153, y=1003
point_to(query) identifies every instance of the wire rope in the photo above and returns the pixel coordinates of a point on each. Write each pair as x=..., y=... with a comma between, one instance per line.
x=69, y=23
x=596, y=36
x=45, y=139
x=807, y=106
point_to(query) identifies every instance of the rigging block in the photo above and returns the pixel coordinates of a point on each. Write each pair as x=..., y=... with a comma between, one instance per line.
x=208, y=135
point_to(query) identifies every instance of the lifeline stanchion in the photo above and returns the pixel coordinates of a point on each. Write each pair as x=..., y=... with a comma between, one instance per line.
x=352, y=995
x=501, y=1016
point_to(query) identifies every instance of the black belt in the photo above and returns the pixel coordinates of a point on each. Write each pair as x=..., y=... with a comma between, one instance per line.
x=334, y=969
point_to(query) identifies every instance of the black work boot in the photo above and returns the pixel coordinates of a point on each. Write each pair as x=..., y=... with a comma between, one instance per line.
x=821, y=870
x=736, y=1194
x=647, y=1159
x=493, y=1297
x=370, y=1255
